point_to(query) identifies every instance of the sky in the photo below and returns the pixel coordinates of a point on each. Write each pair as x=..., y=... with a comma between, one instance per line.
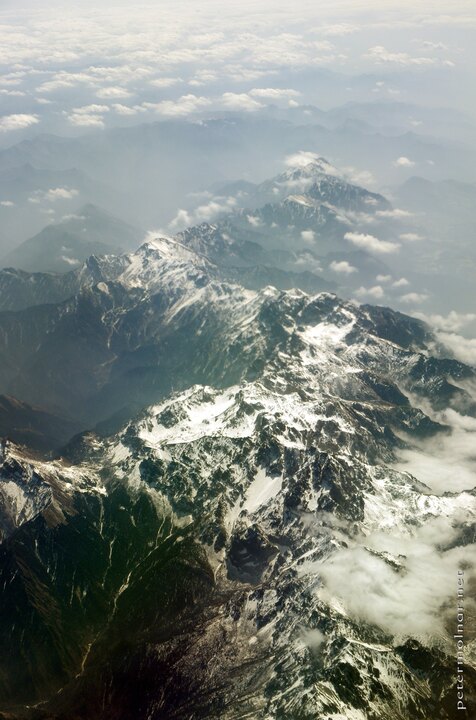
x=79, y=65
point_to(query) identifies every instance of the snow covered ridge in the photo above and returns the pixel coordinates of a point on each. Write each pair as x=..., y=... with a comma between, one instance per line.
x=288, y=485
x=264, y=517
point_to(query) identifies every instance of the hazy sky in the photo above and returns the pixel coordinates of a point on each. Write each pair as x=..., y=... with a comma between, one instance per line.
x=79, y=65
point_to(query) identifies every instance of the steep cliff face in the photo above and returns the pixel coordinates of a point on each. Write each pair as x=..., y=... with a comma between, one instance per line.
x=251, y=544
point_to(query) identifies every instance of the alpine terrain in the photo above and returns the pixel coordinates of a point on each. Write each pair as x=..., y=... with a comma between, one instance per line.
x=244, y=533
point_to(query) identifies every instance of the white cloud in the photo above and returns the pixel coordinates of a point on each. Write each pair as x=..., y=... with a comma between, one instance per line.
x=369, y=242
x=406, y=600
x=61, y=193
x=124, y=109
x=452, y=322
x=274, y=93
x=300, y=159
x=445, y=462
x=53, y=194
x=307, y=261
x=165, y=82
x=185, y=105
x=395, y=213
x=342, y=267
x=383, y=278
x=434, y=45
x=239, y=101
x=312, y=638
x=360, y=177
x=203, y=77
x=254, y=221
x=12, y=93
x=113, y=93
x=463, y=349
x=91, y=109
x=17, y=121
x=402, y=282
x=70, y=261
x=7, y=203
x=308, y=236
x=376, y=292
x=381, y=55
x=64, y=80
x=84, y=120
x=203, y=213
x=404, y=162
x=414, y=297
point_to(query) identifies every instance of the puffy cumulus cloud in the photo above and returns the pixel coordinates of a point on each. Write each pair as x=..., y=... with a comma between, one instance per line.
x=114, y=50
x=63, y=80
x=113, y=93
x=301, y=159
x=308, y=261
x=395, y=214
x=381, y=55
x=17, y=121
x=254, y=221
x=203, y=213
x=377, y=292
x=414, y=297
x=463, y=349
x=274, y=93
x=125, y=110
x=185, y=105
x=383, y=278
x=239, y=101
x=86, y=120
x=165, y=82
x=91, y=109
x=452, y=322
x=53, y=194
x=402, y=282
x=343, y=267
x=60, y=193
x=404, y=162
x=371, y=243
x=308, y=236
x=411, y=237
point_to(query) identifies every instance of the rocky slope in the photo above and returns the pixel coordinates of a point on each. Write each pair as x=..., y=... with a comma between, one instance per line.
x=251, y=544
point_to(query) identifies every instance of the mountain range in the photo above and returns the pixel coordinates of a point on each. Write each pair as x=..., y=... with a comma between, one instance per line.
x=220, y=499
x=218, y=516
x=62, y=246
